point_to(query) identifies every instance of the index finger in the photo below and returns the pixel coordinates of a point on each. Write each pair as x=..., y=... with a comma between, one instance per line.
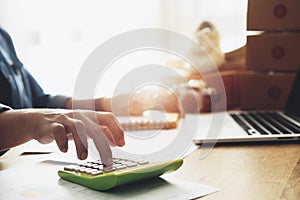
x=102, y=145
x=94, y=131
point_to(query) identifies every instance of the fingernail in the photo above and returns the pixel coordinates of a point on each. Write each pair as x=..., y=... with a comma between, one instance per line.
x=64, y=149
x=121, y=142
x=83, y=155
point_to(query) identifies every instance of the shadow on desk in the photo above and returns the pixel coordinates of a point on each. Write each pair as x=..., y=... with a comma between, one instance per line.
x=261, y=143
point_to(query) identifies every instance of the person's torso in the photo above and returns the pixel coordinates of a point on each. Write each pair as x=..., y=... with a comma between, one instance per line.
x=14, y=90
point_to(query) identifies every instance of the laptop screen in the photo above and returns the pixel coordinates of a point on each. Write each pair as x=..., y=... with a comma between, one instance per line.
x=293, y=102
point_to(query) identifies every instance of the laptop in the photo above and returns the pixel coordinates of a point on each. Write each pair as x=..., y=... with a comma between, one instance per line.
x=253, y=126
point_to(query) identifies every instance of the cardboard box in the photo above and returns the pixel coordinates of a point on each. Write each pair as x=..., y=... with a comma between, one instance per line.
x=273, y=51
x=273, y=15
x=230, y=82
x=264, y=91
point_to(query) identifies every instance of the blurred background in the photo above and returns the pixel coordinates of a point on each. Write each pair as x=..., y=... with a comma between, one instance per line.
x=54, y=37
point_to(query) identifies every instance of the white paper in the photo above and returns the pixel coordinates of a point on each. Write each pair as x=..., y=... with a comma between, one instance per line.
x=41, y=181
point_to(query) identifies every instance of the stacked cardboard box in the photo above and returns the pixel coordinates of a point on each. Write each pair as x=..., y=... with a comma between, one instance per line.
x=273, y=55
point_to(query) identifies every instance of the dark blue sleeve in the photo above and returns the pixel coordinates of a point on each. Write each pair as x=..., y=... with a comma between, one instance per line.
x=36, y=94
x=42, y=100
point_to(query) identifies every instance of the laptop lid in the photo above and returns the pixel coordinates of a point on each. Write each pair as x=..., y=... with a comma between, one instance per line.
x=293, y=103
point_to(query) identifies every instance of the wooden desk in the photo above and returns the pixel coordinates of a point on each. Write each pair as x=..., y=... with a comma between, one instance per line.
x=254, y=172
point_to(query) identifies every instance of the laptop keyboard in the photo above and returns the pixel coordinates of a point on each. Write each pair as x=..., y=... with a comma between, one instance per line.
x=267, y=123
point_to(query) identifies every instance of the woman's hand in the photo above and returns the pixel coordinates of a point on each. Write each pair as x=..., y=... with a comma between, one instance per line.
x=46, y=125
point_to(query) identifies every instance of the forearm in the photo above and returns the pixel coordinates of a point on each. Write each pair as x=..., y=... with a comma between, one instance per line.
x=126, y=104
x=99, y=104
x=15, y=128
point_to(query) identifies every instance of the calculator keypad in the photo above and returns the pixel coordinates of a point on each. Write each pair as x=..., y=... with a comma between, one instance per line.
x=95, y=168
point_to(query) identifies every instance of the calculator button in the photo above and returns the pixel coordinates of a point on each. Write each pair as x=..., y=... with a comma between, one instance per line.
x=121, y=167
x=96, y=166
x=95, y=173
x=99, y=167
x=83, y=169
x=117, y=165
x=109, y=169
x=76, y=169
x=89, y=171
x=131, y=164
x=142, y=162
x=97, y=162
x=86, y=164
x=70, y=168
x=123, y=162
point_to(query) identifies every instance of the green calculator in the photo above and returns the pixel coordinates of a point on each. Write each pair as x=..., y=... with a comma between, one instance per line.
x=96, y=176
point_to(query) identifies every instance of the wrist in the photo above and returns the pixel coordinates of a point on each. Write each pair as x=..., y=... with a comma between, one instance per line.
x=69, y=104
x=17, y=127
x=103, y=104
